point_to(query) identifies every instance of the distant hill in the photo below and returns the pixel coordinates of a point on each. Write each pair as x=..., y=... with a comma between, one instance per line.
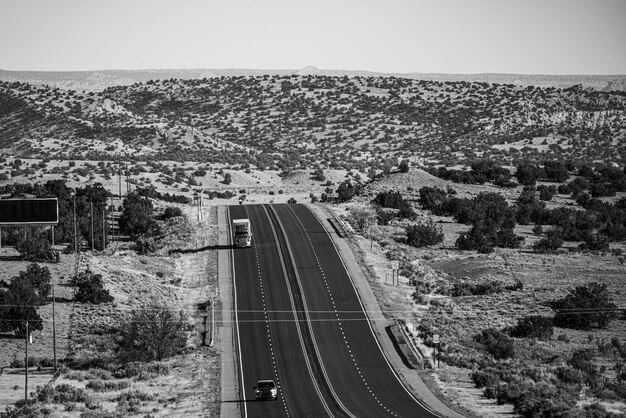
x=287, y=122
x=100, y=79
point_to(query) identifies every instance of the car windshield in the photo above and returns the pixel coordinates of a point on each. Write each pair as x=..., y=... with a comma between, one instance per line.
x=264, y=385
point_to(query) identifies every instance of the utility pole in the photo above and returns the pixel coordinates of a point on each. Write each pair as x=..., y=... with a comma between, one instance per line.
x=91, y=216
x=54, y=329
x=104, y=237
x=119, y=176
x=75, y=240
x=26, y=363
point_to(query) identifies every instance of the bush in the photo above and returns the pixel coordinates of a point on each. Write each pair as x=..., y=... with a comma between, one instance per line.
x=90, y=288
x=433, y=199
x=424, y=234
x=136, y=218
x=35, y=247
x=145, y=245
x=396, y=201
x=548, y=244
x=18, y=302
x=470, y=289
x=172, y=212
x=62, y=393
x=496, y=343
x=483, y=379
x=535, y=326
x=164, y=338
x=585, y=305
x=104, y=385
x=595, y=242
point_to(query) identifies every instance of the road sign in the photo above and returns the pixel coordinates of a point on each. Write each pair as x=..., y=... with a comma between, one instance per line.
x=436, y=339
x=43, y=211
x=395, y=265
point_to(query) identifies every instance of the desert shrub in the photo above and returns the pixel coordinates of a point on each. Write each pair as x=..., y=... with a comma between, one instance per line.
x=61, y=393
x=499, y=345
x=481, y=288
x=142, y=371
x=137, y=217
x=433, y=199
x=163, y=338
x=19, y=301
x=585, y=305
x=569, y=375
x=424, y=234
x=595, y=242
x=362, y=217
x=549, y=244
x=146, y=245
x=483, y=379
x=172, y=212
x=395, y=200
x=133, y=396
x=35, y=247
x=583, y=359
x=555, y=171
x=347, y=190
x=534, y=326
x=90, y=288
x=105, y=385
x=527, y=174
x=546, y=193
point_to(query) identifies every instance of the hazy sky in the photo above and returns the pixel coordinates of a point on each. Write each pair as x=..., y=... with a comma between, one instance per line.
x=451, y=36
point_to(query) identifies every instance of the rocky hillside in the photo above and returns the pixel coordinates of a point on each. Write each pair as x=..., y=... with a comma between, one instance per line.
x=302, y=121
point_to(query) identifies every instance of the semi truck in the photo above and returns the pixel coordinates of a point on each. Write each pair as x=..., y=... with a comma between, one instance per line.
x=242, y=231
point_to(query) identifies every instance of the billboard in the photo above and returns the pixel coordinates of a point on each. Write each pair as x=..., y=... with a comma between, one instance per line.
x=29, y=211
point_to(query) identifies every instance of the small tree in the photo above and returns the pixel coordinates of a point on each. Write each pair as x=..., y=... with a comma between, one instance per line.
x=362, y=217
x=136, y=218
x=496, y=343
x=424, y=234
x=154, y=332
x=90, y=288
x=35, y=247
x=404, y=166
x=18, y=302
x=535, y=326
x=584, y=306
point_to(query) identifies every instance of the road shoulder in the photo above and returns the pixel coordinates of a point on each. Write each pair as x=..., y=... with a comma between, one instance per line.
x=225, y=337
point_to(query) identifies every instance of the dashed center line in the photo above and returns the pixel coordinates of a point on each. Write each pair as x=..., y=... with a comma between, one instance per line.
x=267, y=328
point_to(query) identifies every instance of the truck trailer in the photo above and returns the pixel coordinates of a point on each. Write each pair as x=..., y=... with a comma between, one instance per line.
x=242, y=231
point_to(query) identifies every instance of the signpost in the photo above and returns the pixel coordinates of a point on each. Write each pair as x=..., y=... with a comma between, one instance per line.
x=436, y=341
x=395, y=265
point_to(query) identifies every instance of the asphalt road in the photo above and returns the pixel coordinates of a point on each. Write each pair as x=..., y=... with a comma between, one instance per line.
x=300, y=322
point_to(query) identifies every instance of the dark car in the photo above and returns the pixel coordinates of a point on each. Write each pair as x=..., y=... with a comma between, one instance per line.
x=265, y=389
x=292, y=200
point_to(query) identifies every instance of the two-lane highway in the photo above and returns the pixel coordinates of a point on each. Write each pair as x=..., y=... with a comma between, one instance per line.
x=302, y=324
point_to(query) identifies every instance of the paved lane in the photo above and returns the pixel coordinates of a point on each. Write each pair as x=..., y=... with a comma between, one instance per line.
x=355, y=365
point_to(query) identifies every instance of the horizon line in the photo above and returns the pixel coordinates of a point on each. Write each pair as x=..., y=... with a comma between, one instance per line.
x=314, y=68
